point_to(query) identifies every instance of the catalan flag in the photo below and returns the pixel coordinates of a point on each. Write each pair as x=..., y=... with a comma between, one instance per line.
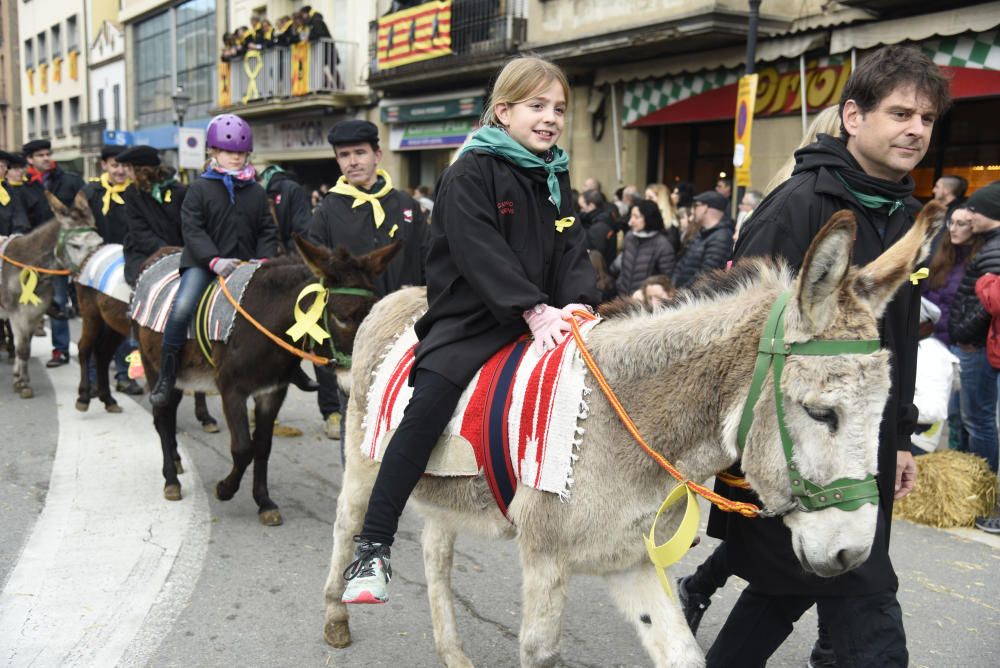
x=419, y=33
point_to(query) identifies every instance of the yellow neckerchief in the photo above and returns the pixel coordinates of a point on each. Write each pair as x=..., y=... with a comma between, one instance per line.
x=4, y=195
x=284, y=26
x=360, y=197
x=112, y=193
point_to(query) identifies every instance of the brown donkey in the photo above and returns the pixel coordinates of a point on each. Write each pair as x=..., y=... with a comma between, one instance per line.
x=62, y=243
x=250, y=364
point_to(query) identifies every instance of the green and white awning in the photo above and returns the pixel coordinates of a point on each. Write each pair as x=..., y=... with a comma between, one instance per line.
x=979, y=51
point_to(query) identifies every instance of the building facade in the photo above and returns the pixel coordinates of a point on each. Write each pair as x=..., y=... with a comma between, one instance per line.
x=10, y=88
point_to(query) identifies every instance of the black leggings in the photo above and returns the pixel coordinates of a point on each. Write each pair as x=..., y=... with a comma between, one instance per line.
x=430, y=409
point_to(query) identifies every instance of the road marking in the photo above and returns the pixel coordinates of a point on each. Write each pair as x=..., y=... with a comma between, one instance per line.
x=110, y=563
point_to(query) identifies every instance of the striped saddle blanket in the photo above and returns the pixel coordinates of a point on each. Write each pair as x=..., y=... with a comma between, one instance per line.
x=516, y=423
x=213, y=319
x=104, y=271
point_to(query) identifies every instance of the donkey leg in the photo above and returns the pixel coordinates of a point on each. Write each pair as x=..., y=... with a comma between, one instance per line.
x=89, y=334
x=234, y=405
x=107, y=344
x=266, y=407
x=543, y=598
x=24, y=329
x=165, y=421
x=208, y=423
x=657, y=618
x=439, y=551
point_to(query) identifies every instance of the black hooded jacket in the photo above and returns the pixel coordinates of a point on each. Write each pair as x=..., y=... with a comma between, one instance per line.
x=291, y=206
x=13, y=217
x=601, y=234
x=31, y=194
x=150, y=225
x=112, y=225
x=710, y=249
x=784, y=225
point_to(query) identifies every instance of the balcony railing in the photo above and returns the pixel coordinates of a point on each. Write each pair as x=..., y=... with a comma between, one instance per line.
x=478, y=28
x=270, y=76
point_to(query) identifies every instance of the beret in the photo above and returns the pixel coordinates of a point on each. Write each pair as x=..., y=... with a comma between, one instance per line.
x=111, y=151
x=985, y=201
x=139, y=156
x=353, y=132
x=36, y=145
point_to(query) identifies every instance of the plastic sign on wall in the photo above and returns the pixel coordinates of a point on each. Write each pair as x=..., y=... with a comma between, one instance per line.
x=745, y=103
x=191, y=148
x=419, y=33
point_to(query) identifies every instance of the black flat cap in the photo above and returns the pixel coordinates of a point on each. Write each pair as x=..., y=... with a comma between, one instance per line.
x=353, y=132
x=986, y=201
x=36, y=145
x=713, y=199
x=111, y=151
x=13, y=159
x=139, y=156
x=5, y=157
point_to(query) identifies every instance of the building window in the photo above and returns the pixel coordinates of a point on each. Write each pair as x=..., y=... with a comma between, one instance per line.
x=56, y=41
x=72, y=35
x=153, y=71
x=196, y=59
x=57, y=119
x=74, y=115
x=32, y=127
x=100, y=105
x=116, y=97
x=43, y=51
x=43, y=112
x=29, y=53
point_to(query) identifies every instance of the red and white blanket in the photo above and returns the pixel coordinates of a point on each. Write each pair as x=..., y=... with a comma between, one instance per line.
x=527, y=405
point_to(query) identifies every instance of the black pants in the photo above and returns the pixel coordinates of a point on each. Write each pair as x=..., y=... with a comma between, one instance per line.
x=328, y=395
x=712, y=574
x=865, y=631
x=430, y=409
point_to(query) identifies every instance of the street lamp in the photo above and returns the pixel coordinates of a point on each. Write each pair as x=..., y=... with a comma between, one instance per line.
x=181, y=101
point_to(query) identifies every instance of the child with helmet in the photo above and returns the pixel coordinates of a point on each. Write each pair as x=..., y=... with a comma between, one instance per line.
x=224, y=220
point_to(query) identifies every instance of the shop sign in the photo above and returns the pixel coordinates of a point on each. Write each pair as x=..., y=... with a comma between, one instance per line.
x=300, y=134
x=443, y=134
x=439, y=110
x=778, y=92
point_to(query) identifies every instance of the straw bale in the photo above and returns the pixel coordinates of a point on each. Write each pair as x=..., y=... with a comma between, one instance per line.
x=952, y=489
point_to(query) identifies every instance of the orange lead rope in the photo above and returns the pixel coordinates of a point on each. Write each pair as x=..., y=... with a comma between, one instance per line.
x=745, y=509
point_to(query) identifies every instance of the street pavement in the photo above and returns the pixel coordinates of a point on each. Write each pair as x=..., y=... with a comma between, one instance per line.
x=97, y=569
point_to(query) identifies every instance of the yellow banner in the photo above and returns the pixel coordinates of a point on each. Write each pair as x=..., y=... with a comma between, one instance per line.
x=43, y=77
x=420, y=33
x=30, y=73
x=56, y=69
x=225, y=84
x=73, y=71
x=745, y=100
x=300, y=68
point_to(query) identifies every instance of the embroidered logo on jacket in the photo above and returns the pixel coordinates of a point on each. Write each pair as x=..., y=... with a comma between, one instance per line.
x=506, y=207
x=277, y=199
x=407, y=216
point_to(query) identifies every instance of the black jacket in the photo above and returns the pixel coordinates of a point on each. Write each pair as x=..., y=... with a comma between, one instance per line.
x=291, y=205
x=642, y=257
x=64, y=185
x=214, y=227
x=601, y=234
x=151, y=225
x=710, y=249
x=969, y=322
x=494, y=252
x=113, y=225
x=784, y=225
x=13, y=217
x=335, y=223
x=317, y=27
x=36, y=206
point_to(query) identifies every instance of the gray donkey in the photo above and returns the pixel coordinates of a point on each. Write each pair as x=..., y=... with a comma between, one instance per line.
x=684, y=374
x=62, y=243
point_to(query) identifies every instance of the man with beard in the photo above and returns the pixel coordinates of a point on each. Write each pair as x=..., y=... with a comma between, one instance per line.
x=888, y=109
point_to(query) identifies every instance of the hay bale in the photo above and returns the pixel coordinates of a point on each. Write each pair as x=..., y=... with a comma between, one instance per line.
x=952, y=489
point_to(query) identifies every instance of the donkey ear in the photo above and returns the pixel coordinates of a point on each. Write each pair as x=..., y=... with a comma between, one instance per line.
x=376, y=261
x=315, y=257
x=824, y=269
x=83, y=211
x=57, y=206
x=877, y=282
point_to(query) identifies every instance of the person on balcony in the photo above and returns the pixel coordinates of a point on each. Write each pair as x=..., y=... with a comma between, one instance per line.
x=314, y=23
x=285, y=33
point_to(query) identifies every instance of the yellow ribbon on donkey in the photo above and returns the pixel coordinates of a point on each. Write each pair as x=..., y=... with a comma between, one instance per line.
x=29, y=281
x=306, y=322
x=670, y=553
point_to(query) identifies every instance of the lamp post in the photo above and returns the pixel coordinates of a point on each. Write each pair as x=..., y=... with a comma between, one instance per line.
x=181, y=100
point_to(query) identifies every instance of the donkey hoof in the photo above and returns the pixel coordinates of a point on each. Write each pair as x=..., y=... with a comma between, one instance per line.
x=270, y=518
x=337, y=634
x=82, y=406
x=27, y=393
x=113, y=408
x=221, y=493
x=210, y=427
x=178, y=466
x=172, y=492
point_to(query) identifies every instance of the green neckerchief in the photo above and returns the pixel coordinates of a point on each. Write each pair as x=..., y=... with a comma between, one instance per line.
x=871, y=201
x=269, y=174
x=163, y=186
x=496, y=141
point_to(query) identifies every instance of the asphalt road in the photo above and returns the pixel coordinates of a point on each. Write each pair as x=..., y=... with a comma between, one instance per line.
x=98, y=570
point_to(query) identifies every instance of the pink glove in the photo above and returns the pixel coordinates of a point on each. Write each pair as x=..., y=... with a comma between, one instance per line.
x=223, y=266
x=567, y=311
x=547, y=326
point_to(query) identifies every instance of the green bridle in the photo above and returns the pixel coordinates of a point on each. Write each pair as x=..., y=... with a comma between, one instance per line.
x=60, y=250
x=844, y=493
x=342, y=359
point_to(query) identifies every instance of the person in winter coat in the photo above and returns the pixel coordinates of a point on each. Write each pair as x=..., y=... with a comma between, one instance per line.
x=224, y=220
x=595, y=216
x=291, y=204
x=104, y=195
x=647, y=249
x=888, y=110
x=43, y=170
x=713, y=245
x=970, y=324
x=13, y=217
x=506, y=257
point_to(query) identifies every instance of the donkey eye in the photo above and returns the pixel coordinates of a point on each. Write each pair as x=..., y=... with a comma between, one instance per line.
x=827, y=416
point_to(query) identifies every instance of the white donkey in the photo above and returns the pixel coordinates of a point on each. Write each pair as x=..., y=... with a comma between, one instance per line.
x=684, y=374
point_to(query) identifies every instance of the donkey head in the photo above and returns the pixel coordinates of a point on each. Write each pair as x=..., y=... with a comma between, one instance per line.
x=351, y=293
x=78, y=236
x=833, y=403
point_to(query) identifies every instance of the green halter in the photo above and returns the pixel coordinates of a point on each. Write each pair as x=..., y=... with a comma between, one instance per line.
x=844, y=493
x=341, y=359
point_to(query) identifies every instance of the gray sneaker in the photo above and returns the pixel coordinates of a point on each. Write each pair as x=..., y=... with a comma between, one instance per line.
x=989, y=524
x=369, y=574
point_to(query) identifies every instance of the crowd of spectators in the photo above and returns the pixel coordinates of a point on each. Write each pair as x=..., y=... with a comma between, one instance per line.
x=304, y=25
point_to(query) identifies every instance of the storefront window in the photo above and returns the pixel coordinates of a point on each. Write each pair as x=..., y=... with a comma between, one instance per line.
x=966, y=143
x=153, y=71
x=196, y=55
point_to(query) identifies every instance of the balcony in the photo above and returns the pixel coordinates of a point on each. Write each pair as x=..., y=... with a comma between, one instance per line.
x=483, y=34
x=265, y=81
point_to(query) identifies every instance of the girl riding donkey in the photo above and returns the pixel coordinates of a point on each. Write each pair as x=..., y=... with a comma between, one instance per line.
x=224, y=220
x=505, y=257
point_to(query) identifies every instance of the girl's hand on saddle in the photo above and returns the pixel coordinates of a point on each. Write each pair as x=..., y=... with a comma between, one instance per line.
x=547, y=326
x=569, y=311
x=223, y=266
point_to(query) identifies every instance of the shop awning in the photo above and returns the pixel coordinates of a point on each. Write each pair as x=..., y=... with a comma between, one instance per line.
x=976, y=18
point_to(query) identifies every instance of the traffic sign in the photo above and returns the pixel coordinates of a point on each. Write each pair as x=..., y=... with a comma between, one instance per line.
x=118, y=138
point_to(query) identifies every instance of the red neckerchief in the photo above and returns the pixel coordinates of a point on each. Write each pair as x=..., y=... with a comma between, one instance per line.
x=35, y=176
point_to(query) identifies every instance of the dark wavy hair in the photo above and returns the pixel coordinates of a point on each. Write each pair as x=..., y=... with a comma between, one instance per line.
x=651, y=212
x=145, y=176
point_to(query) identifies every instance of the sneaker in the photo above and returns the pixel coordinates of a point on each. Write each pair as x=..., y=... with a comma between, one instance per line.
x=331, y=426
x=58, y=359
x=369, y=574
x=822, y=656
x=694, y=605
x=129, y=387
x=989, y=524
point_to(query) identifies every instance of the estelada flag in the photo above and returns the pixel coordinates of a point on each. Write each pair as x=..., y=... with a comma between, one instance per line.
x=420, y=33
x=225, y=84
x=300, y=68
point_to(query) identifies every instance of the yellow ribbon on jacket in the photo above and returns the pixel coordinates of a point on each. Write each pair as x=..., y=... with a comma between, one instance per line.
x=344, y=188
x=919, y=275
x=112, y=193
x=563, y=223
x=306, y=322
x=4, y=196
x=29, y=281
x=670, y=553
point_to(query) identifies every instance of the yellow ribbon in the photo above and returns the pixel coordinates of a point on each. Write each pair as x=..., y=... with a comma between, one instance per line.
x=135, y=369
x=670, y=553
x=166, y=197
x=344, y=188
x=919, y=275
x=112, y=193
x=252, y=92
x=306, y=321
x=4, y=196
x=29, y=281
x=563, y=223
